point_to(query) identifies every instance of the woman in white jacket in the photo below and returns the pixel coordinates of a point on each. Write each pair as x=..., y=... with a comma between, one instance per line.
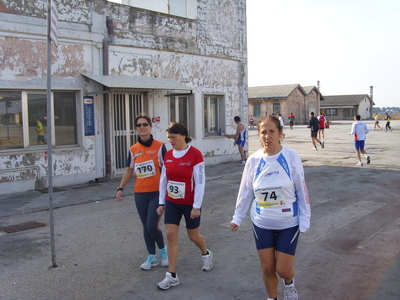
x=273, y=185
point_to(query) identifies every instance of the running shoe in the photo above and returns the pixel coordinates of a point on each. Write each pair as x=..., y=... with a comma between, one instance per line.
x=151, y=261
x=242, y=163
x=168, y=282
x=207, y=261
x=315, y=148
x=290, y=292
x=322, y=144
x=164, y=257
x=360, y=164
x=368, y=160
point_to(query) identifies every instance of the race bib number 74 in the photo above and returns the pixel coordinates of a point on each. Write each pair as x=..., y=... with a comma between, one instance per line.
x=269, y=197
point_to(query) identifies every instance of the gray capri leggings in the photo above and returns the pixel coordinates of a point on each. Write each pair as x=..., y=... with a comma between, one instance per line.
x=146, y=205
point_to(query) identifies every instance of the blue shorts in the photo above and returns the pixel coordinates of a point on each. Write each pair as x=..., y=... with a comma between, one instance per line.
x=282, y=240
x=174, y=212
x=240, y=142
x=359, y=145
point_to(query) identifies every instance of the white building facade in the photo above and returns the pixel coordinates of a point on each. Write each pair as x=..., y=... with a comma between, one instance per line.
x=112, y=62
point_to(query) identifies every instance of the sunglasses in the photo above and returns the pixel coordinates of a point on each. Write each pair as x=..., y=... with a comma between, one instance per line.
x=140, y=124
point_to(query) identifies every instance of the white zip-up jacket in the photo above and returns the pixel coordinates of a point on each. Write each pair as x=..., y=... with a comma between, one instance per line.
x=275, y=188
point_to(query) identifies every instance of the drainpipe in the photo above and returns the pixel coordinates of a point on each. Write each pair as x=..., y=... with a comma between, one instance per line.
x=109, y=38
x=371, y=95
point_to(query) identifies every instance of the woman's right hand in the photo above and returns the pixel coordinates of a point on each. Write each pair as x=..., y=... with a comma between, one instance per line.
x=119, y=196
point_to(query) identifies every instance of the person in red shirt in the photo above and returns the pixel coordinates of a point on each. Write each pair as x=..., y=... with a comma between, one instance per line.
x=144, y=162
x=291, y=120
x=321, y=131
x=181, y=194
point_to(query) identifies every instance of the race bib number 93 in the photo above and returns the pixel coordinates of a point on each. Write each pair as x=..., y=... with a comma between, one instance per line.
x=176, y=189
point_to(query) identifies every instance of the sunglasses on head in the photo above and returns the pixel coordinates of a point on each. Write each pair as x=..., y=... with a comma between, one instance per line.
x=140, y=124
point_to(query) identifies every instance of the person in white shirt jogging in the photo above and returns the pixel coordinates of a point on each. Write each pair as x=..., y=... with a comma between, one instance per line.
x=359, y=129
x=273, y=188
x=282, y=122
x=376, y=123
x=182, y=187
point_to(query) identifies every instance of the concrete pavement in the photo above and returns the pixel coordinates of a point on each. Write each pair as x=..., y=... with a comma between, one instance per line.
x=350, y=252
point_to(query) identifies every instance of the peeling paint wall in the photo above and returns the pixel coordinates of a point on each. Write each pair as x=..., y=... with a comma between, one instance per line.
x=208, y=54
x=23, y=67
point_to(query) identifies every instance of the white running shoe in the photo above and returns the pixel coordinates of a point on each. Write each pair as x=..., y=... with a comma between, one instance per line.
x=315, y=148
x=290, y=292
x=168, y=282
x=164, y=257
x=242, y=163
x=151, y=261
x=207, y=261
x=360, y=164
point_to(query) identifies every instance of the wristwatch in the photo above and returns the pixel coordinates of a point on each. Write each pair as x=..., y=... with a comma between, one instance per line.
x=120, y=189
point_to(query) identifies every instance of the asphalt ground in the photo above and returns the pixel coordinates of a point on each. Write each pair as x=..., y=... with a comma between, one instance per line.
x=350, y=252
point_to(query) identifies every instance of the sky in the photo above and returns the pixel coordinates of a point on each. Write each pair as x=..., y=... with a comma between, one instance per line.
x=347, y=45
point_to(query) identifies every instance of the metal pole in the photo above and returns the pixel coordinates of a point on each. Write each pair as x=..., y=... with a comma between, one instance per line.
x=49, y=139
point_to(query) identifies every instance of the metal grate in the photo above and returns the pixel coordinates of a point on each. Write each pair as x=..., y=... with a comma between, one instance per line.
x=126, y=106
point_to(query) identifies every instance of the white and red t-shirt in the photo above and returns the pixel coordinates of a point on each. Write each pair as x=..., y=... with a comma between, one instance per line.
x=183, y=177
x=322, y=121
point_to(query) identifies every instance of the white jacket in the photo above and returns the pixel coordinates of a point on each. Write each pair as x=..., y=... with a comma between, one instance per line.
x=275, y=188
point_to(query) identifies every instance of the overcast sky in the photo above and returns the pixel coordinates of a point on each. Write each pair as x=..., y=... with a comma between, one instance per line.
x=348, y=45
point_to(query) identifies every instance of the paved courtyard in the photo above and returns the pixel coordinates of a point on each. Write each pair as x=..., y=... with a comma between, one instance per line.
x=350, y=252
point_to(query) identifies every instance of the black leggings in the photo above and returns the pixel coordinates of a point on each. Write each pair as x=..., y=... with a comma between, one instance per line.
x=146, y=205
x=388, y=126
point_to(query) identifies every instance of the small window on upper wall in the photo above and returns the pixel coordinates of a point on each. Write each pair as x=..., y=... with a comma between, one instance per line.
x=181, y=8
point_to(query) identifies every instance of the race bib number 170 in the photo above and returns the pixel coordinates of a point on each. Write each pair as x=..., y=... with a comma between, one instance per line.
x=145, y=169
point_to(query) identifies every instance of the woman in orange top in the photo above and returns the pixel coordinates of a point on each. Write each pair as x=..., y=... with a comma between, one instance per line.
x=146, y=159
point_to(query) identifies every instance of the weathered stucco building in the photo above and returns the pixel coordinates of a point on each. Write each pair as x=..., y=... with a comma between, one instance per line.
x=180, y=61
x=284, y=99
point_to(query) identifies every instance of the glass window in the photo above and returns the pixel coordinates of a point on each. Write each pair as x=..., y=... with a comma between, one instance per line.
x=257, y=109
x=37, y=118
x=331, y=112
x=179, y=111
x=11, y=130
x=276, y=108
x=213, y=115
x=23, y=119
x=182, y=8
x=65, y=118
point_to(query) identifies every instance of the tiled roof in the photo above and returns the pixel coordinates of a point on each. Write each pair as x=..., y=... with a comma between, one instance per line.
x=309, y=88
x=273, y=91
x=344, y=99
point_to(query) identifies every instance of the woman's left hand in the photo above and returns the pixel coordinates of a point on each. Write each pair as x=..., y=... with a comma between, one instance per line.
x=195, y=213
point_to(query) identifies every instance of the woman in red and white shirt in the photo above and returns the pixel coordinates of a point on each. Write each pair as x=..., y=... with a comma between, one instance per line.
x=182, y=186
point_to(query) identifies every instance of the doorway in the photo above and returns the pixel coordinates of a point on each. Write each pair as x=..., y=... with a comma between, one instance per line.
x=125, y=107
